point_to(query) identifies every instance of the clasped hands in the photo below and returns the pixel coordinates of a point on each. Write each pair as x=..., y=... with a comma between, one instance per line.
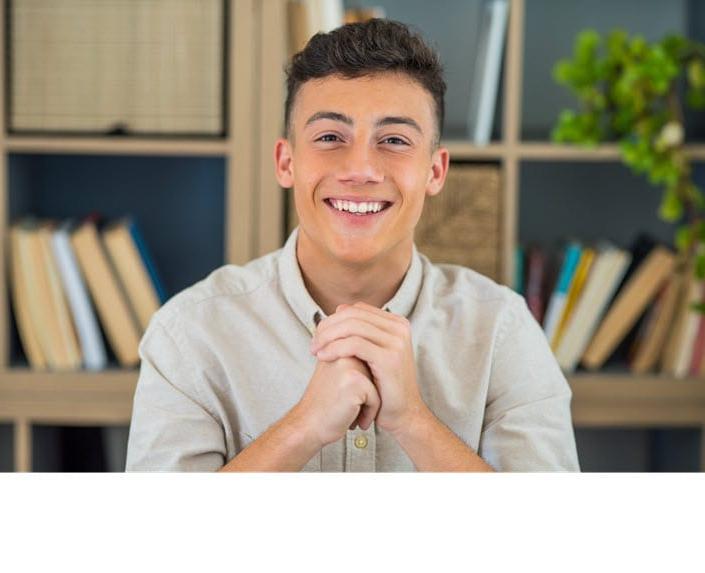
x=382, y=341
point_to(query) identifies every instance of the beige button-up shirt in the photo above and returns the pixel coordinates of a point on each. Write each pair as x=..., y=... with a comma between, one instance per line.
x=226, y=358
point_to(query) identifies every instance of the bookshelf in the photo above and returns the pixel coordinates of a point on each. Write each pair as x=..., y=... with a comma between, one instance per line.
x=254, y=224
x=600, y=400
x=29, y=398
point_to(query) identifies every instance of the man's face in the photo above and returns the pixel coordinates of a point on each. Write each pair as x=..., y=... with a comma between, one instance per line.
x=361, y=159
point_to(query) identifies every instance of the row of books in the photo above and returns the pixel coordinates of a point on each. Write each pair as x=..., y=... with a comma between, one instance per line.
x=70, y=279
x=611, y=304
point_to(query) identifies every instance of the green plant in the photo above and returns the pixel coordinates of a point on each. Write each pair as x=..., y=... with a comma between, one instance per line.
x=629, y=91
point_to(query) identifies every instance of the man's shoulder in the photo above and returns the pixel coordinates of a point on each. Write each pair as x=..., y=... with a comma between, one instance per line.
x=465, y=296
x=233, y=282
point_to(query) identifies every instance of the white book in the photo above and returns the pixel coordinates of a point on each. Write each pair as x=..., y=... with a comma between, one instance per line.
x=554, y=311
x=559, y=297
x=323, y=15
x=332, y=14
x=92, y=346
x=488, y=62
x=685, y=352
x=605, y=277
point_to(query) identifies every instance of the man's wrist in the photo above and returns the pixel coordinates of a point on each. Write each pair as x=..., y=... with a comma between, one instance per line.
x=414, y=425
x=300, y=432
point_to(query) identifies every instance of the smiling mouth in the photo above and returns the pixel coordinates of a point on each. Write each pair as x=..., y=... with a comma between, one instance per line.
x=346, y=208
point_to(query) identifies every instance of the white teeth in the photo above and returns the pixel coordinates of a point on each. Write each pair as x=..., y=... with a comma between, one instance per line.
x=361, y=208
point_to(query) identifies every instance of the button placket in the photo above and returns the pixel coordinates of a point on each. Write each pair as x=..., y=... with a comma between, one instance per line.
x=360, y=450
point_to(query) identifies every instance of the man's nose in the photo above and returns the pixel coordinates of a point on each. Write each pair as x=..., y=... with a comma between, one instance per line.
x=361, y=165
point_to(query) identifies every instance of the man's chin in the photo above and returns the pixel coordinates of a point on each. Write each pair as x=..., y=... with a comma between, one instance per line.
x=356, y=252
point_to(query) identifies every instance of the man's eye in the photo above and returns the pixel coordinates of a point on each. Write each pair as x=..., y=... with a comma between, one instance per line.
x=328, y=138
x=394, y=140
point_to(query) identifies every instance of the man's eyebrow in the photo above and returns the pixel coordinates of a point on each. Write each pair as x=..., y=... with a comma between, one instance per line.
x=334, y=115
x=394, y=120
x=388, y=120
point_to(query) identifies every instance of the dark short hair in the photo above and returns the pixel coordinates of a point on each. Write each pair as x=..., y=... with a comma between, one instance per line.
x=366, y=48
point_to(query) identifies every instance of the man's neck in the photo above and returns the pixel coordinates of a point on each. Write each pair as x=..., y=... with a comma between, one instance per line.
x=331, y=283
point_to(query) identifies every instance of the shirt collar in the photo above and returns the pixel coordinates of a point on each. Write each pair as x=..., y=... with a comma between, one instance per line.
x=308, y=311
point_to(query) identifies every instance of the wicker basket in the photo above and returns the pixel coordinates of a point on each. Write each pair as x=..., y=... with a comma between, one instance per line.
x=462, y=224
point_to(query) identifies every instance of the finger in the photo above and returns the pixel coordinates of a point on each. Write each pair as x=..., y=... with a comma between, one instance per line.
x=351, y=327
x=384, y=321
x=379, y=317
x=370, y=408
x=378, y=311
x=351, y=346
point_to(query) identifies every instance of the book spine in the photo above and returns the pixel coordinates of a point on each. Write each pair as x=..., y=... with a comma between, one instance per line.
x=92, y=346
x=489, y=62
x=148, y=261
x=560, y=294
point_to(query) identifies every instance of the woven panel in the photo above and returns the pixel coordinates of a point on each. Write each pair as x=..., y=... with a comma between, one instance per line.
x=145, y=66
x=462, y=224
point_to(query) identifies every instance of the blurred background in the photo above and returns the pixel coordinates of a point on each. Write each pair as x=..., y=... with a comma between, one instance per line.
x=136, y=147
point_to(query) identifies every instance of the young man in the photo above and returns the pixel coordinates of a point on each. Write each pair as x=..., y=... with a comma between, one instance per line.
x=347, y=350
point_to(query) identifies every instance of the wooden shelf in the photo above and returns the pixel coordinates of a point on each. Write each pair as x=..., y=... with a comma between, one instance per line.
x=71, y=398
x=623, y=400
x=464, y=150
x=547, y=151
x=118, y=146
x=540, y=151
x=602, y=399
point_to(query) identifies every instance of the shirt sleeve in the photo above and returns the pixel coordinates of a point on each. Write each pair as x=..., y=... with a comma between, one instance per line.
x=527, y=424
x=171, y=428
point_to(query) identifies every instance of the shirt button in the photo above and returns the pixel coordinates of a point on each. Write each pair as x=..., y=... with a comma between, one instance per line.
x=361, y=442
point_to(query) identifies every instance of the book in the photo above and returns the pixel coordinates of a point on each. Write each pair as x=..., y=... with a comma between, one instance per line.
x=113, y=308
x=518, y=278
x=70, y=348
x=649, y=349
x=131, y=270
x=556, y=303
x=298, y=26
x=488, y=62
x=698, y=347
x=308, y=17
x=48, y=307
x=21, y=303
x=90, y=338
x=630, y=303
x=536, y=262
x=679, y=349
x=353, y=15
x=576, y=286
x=147, y=259
x=607, y=272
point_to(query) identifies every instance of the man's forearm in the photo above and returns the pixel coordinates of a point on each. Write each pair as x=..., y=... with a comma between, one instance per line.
x=286, y=447
x=434, y=447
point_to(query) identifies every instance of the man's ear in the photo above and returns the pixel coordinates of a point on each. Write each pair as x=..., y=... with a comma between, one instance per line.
x=439, y=169
x=284, y=163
